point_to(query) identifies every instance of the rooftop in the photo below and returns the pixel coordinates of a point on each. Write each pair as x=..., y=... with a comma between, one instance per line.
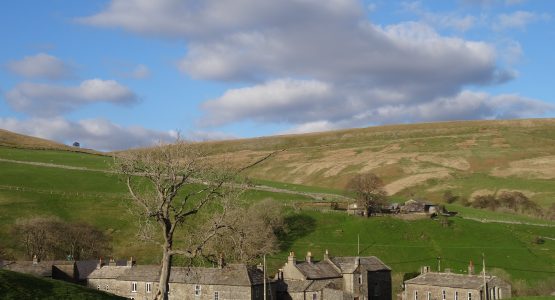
x=450, y=280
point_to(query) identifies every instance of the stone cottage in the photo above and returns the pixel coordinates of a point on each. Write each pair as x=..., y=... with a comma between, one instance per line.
x=449, y=286
x=334, y=278
x=232, y=281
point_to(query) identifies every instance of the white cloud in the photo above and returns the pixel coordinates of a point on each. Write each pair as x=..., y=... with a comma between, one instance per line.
x=321, y=64
x=41, y=66
x=518, y=20
x=97, y=134
x=48, y=100
x=442, y=20
x=275, y=101
x=139, y=72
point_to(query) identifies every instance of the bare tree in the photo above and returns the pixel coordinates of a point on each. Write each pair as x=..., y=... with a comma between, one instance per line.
x=49, y=237
x=251, y=232
x=171, y=185
x=368, y=188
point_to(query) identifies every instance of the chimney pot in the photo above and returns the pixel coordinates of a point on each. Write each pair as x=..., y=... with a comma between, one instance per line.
x=425, y=269
x=309, y=257
x=291, y=259
x=471, y=268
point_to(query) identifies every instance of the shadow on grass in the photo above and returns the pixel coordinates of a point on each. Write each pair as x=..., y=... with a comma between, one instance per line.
x=297, y=226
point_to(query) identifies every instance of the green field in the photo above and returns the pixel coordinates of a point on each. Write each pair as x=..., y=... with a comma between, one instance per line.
x=92, y=195
x=14, y=286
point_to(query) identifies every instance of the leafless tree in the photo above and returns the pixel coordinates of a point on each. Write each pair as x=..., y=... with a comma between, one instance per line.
x=49, y=237
x=368, y=188
x=172, y=185
x=250, y=233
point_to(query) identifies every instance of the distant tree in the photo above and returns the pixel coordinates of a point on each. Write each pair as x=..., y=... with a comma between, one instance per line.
x=551, y=212
x=49, y=237
x=33, y=234
x=369, y=190
x=250, y=233
x=449, y=197
x=485, y=201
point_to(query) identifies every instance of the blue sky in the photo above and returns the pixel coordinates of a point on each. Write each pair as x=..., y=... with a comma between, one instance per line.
x=115, y=74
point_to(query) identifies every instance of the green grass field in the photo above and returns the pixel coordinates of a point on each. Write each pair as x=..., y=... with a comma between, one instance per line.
x=99, y=198
x=15, y=286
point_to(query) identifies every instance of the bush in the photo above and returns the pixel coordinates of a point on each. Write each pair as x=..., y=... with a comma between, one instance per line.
x=449, y=197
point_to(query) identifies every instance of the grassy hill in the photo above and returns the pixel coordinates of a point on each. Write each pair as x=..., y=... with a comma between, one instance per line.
x=21, y=286
x=421, y=159
x=76, y=187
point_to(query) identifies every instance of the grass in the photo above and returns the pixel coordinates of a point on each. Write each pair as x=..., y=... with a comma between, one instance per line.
x=100, y=199
x=15, y=285
x=74, y=159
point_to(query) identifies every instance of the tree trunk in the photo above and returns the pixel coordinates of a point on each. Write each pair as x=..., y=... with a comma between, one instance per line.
x=163, y=284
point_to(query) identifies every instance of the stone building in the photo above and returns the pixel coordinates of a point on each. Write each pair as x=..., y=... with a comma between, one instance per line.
x=334, y=278
x=232, y=281
x=449, y=286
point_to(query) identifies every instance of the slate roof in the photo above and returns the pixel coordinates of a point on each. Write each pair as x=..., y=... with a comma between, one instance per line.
x=450, y=280
x=232, y=274
x=347, y=264
x=42, y=268
x=318, y=270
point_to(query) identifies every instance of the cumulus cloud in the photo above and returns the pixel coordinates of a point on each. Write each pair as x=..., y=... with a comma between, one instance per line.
x=443, y=20
x=41, y=66
x=47, y=100
x=97, y=134
x=518, y=20
x=321, y=64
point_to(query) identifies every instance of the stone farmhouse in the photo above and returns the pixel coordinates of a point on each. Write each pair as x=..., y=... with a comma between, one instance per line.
x=334, y=278
x=232, y=281
x=449, y=286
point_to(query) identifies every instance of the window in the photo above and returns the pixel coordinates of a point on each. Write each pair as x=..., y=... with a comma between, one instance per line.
x=216, y=295
x=98, y=287
x=197, y=290
x=469, y=296
x=415, y=295
x=148, y=287
x=360, y=279
x=456, y=295
x=443, y=294
x=429, y=297
x=134, y=287
x=314, y=296
x=107, y=287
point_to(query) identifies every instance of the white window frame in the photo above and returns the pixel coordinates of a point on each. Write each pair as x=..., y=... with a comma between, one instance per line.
x=133, y=287
x=216, y=295
x=456, y=295
x=469, y=296
x=198, y=290
x=107, y=288
x=429, y=295
x=148, y=287
x=443, y=295
x=415, y=295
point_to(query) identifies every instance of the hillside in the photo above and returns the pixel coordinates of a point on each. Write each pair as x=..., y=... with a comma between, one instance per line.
x=21, y=286
x=418, y=159
x=16, y=140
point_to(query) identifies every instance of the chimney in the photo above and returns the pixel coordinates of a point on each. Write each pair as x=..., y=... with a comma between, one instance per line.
x=221, y=261
x=291, y=259
x=99, y=265
x=309, y=257
x=327, y=255
x=471, y=268
x=35, y=259
x=357, y=261
x=425, y=269
x=280, y=274
x=112, y=262
x=130, y=262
